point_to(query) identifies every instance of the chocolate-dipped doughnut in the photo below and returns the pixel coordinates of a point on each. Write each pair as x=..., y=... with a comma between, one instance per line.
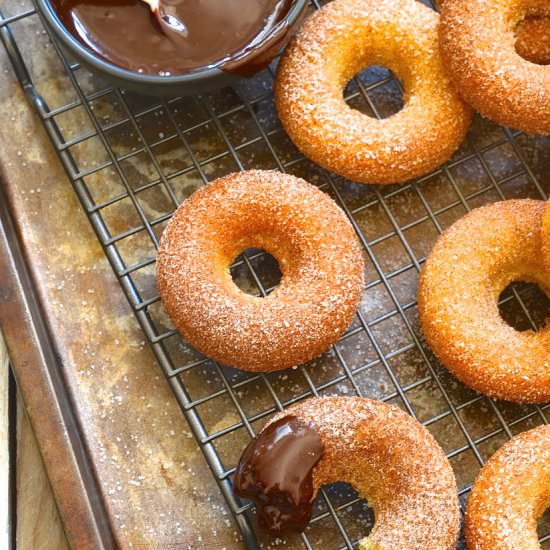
x=388, y=456
x=478, y=44
x=337, y=42
x=459, y=288
x=510, y=494
x=319, y=256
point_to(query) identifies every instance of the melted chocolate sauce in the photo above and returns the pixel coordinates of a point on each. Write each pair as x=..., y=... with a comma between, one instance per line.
x=235, y=35
x=276, y=471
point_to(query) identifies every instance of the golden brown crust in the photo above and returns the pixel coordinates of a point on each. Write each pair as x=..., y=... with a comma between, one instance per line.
x=533, y=40
x=510, y=494
x=546, y=236
x=393, y=462
x=460, y=284
x=478, y=44
x=319, y=256
x=334, y=44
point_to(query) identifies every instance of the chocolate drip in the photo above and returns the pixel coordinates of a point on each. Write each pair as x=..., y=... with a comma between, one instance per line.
x=276, y=471
x=235, y=35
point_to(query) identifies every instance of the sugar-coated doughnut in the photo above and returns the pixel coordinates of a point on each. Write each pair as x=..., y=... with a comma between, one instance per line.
x=388, y=457
x=336, y=43
x=546, y=236
x=319, y=256
x=478, y=44
x=460, y=284
x=510, y=494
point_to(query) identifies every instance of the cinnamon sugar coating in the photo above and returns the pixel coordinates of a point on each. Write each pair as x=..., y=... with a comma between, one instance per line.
x=533, y=39
x=546, y=236
x=319, y=256
x=460, y=284
x=336, y=43
x=510, y=494
x=478, y=44
x=393, y=462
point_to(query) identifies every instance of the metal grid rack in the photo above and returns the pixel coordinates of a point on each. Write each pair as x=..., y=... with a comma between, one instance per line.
x=133, y=159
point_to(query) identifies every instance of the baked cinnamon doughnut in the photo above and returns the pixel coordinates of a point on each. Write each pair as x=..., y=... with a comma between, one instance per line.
x=337, y=42
x=460, y=284
x=478, y=44
x=319, y=256
x=510, y=494
x=388, y=456
x=546, y=236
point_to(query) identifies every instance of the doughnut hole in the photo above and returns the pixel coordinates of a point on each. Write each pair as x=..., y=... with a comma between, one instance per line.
x=535, y=300
x=254, y=270
x=356, y=516
x=375, y=92
x=378, y=77
x=533, y=39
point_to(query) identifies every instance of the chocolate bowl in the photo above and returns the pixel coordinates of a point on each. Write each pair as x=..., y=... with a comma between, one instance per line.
x=198, y=80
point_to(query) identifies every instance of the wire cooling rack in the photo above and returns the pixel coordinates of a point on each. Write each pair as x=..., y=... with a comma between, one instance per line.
x=133, y=159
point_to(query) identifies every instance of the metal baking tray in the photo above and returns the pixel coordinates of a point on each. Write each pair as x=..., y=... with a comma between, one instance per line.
x=132, y=159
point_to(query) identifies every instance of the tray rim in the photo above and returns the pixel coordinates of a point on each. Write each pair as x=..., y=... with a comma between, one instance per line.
x=35, y=363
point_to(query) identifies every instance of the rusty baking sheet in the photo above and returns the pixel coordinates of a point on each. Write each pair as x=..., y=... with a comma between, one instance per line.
x=30, y=343
x=132, y=160
x=147, y=465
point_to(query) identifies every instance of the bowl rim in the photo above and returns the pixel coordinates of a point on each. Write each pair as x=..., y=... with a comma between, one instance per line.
x=45, y=7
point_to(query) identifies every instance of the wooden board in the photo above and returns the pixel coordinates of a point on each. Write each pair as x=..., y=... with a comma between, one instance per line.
x=37, y=522
x=38, y=525
x=5, y=529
